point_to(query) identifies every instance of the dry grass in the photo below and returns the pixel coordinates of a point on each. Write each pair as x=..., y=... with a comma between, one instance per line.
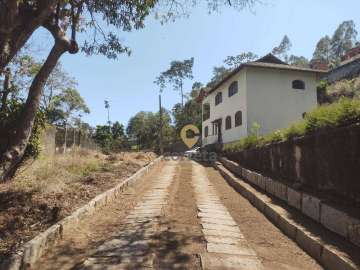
x=57, y=173
x=50, y=188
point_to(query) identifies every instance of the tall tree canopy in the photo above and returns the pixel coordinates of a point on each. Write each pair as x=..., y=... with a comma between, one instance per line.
x=219, y=72
x=175, y=75
x=191, y=113
x=323, y=49
x=63, y=20
x=283, y=48
x=235, y=61
x=332, y=49
x=344, y=38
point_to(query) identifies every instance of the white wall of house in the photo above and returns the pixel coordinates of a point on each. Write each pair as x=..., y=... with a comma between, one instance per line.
x=229, y=106
x=271, y=100
x=265, y=96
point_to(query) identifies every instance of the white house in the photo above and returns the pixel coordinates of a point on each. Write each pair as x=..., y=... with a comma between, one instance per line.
x=267, y=91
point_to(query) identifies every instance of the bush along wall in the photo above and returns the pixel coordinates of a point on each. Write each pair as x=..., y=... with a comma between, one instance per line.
x=326, y=161
x=321, y=152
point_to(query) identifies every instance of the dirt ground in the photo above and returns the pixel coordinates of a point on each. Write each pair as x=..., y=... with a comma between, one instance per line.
x=46, y=190
x=179, y=239
x=276, y=251
x=183, y=237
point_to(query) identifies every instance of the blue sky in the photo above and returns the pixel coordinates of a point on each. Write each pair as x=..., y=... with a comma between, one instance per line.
x=128, y=81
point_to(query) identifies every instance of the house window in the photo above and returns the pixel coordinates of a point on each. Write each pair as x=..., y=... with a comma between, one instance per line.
x=206, y=131
x=238, y=118
x=298, y=84
x=233, y=88
x=218, y=98
x=206, y=111
x=228, y=122
x=215, y=128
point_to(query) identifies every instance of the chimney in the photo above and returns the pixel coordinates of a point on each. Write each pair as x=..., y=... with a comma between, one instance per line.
x=201, y=96
x=351, y=53
x=319, y=64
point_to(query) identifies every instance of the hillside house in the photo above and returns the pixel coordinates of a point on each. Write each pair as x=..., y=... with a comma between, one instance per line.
x=267, y=91
x=349, y=67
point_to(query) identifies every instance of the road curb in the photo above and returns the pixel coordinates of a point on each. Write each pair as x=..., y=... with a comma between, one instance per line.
x=324, y=254
x=30, y=252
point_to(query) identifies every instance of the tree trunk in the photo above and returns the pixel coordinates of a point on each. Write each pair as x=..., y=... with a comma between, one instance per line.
x=19, y=134
x=74, y=137
x=182, y=95
x=18, y=24
x=161, y=145
x=65, y=138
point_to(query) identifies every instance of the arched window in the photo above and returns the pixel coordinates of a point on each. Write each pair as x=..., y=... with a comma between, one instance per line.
x=298, y=84
x=218, y=98
x=238, y=118
x=228, y=122
x=206, y=131
x=233, y=88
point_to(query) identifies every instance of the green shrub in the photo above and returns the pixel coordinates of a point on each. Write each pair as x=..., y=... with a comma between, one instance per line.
x=343, y=112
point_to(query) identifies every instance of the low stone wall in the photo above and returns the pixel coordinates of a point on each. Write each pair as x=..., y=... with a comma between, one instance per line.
x=334, y=219
x=29, y=253
x=332, y=257
x=326, y=162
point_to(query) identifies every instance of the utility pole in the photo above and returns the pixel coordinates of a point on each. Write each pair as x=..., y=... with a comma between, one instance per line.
x=74, y=137
x=161, y=128
x=80, y=133
x=107, y=106
x=182, y=94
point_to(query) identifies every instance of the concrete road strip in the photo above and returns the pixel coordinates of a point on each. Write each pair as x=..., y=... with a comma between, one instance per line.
x=129, y=248
x=226, y=246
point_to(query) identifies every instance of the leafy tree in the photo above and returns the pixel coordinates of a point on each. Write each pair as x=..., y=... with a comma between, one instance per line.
x=299, y=61
x=144, y=128
x=58, y=81
x=117, y=130
x=69, y=102
x=283, y=48
x=110, y=138
x=218, y=74
x=343, y=39
x=20, y=19
x=175, y=75
x=235, y=61
x=332, y=49
x=323, y=49
x=196, y=87
x=103, y=137
x=191, y=113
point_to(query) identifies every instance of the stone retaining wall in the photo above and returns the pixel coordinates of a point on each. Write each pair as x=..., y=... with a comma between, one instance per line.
x=333, y=218
x=29, y=253
x=326, y=162
x=330, y=256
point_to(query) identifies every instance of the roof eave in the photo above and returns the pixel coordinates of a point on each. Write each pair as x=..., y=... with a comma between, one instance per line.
x=317, y=71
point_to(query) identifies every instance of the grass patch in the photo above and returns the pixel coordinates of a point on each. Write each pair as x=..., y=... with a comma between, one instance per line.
x=48, y=174
x=341, y=113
